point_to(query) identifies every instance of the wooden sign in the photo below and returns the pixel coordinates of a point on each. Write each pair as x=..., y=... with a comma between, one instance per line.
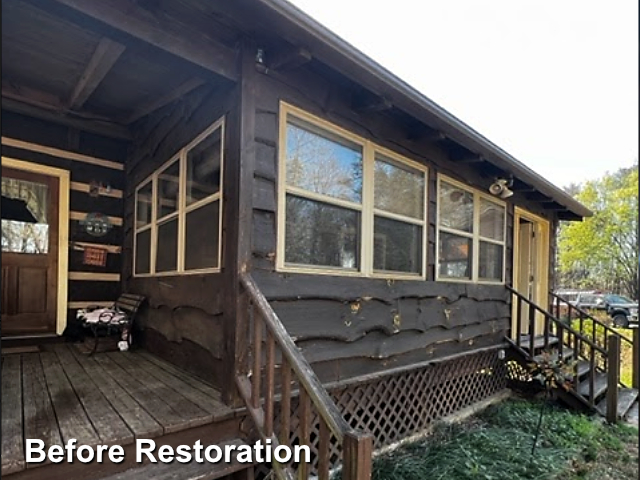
x=95, y=256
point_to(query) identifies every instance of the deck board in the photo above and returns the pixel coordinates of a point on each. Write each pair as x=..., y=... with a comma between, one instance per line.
x=72, y=419
x=195, y=415
x=109, y=426
x=141, y=423
x=39, y=418
x=12, y=445
x=107, y=398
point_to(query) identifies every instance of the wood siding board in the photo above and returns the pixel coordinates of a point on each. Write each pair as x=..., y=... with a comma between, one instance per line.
x=105, y=205
x=80, y=290
x=76, y=263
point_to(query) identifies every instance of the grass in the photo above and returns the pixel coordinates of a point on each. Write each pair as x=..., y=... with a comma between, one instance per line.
x=496, y=445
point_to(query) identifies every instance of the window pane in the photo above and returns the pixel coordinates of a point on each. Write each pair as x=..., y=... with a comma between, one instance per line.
x=324, y=163
x=143, y=249
x=397, y=246
x=167, y=249
x=321, y=234
x=25, y=206
x=203, y=168
x=168, y=186
x=398, y=189
x=143, y=212
x=491, y=220
x=202, y=237
x=454, y=256
x=456, y=208
x=490, y=261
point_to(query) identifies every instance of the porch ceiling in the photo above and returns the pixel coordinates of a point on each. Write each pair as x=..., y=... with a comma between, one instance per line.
x=59, y=59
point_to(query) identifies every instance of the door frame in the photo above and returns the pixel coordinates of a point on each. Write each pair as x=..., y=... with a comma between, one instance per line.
x=543, y=231
x=63, y=229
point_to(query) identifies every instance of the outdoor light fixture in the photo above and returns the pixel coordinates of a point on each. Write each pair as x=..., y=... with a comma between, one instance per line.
x=500, y=187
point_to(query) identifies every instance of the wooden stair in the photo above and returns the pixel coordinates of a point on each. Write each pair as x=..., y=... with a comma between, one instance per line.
x=593, y=355
x=192, y=470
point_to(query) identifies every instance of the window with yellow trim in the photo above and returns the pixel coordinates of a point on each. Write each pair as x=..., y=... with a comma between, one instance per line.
x=471, y=234
x=179, y=210
x=348, y=205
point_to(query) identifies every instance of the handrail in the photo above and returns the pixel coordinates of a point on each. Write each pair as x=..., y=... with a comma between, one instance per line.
x=307, y=378
x=608, y=330
x=556, y=320
x=357, y=446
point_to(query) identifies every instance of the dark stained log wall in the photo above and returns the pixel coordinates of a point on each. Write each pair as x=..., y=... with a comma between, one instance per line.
x=184, y=321
x=40, y=132
x=349, y=327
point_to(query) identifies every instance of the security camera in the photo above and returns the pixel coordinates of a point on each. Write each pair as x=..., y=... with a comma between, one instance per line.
x=500, y=188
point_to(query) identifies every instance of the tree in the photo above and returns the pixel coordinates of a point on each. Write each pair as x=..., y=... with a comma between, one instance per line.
x=602, y=251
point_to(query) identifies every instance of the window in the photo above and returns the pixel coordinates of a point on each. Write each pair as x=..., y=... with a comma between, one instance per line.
x=179, y=211
x=348, y=206
x=471, y=234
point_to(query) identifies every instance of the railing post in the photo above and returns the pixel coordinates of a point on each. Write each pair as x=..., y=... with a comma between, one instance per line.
x=613, y=377
x=357, y=452
x=635, y=366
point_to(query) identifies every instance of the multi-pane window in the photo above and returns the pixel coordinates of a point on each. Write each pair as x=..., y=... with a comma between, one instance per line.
x=179, y=210
x=471, y=234
x=350, y=207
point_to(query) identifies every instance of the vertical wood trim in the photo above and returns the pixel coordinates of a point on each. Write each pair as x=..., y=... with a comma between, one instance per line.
x=64, y=179
x=635, y=379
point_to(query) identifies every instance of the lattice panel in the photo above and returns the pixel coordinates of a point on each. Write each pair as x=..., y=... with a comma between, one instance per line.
x=400, y=405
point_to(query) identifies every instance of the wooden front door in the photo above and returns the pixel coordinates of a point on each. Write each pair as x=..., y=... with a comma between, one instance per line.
x=29, y=252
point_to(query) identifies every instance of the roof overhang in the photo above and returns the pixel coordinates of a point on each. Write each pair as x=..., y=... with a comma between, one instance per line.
x=329, y=48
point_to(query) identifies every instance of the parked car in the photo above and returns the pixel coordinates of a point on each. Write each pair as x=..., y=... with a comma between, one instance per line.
x=622, y=310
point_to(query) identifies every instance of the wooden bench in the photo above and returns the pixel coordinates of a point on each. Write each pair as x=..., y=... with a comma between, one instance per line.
x=128, y=304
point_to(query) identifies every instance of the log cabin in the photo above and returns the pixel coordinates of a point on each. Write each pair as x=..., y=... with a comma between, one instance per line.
x=328, y=257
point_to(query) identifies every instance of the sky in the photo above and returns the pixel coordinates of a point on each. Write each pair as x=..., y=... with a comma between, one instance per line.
x=552, y=82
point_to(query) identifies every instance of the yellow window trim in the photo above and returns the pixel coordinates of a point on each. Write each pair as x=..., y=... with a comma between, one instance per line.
x=475, y=236
x=183, y=209
x=365, y=208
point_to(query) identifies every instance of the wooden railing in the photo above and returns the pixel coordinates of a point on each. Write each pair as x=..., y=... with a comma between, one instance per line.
x=595, y=329
x=273, y=350
x=583, y=348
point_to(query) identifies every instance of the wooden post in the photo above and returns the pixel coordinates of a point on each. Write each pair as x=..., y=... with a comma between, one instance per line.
x=635, y=366
x=357, y=451
x=613, y=377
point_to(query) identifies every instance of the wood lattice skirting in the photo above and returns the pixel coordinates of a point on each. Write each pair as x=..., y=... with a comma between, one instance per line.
x=403, y=404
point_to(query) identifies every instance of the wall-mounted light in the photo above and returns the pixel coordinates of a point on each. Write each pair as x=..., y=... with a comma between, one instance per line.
x=500, y=187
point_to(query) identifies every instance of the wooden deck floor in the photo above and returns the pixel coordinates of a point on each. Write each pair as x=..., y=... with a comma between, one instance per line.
x=108, y=398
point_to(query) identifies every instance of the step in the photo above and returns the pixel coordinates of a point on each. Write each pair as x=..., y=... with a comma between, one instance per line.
x=583, y=368
x=567, y=353
x=538, y=341
x=626, y=399
x=185, y=471
x=599, y=387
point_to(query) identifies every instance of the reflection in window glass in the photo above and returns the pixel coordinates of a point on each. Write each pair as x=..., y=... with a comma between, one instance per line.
x=168, y=189
x=167, y=248
x=143, y=252
x=456, y=208
x=491, y=220
x=203, y=168
x=490, y=261
x=201, y=237
x=454, y=256
x=320, y=162
x=144, y=202
x=321, y=234
x=398, y=189
x=25, y=207
x=397, y=246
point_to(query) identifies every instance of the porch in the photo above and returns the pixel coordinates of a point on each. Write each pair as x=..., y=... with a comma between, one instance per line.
x=110, y=398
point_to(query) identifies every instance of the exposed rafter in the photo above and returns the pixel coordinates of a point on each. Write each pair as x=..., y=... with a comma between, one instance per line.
x=289, y=59
x=127, y=16
x=104, y=57
x=166, y=99
x=369, y=103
